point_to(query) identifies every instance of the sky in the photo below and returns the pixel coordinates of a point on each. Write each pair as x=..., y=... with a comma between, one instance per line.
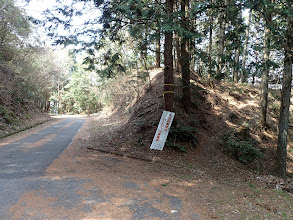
x=35, y=8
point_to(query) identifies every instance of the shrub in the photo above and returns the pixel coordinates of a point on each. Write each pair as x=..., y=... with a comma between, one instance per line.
x=3, y=111
x=244, y=151
x=275, y=108
x=198, y=92
x=181, y=134
x=7, y=119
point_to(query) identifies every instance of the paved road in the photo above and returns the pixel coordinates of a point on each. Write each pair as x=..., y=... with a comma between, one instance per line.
x=23, y=162
x=42, y=178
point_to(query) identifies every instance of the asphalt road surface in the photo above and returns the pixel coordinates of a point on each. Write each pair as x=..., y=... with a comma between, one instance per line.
x=23, y=162
x=47, y=173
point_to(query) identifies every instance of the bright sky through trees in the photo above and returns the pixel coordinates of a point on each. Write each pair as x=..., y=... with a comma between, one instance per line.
x=217, y=39
x=35, y=9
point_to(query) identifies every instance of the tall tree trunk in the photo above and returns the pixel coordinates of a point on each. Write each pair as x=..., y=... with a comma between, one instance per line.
x=146, y=35
x=158, y=49
x=178, y=53
x=210, y=38
x=281, y=160
x=243, y=71
x=256, y=60
x=158, y=42
x=144, y=48
x=221, y=42
x=199, y=69
x=191, y=45
x=58, y=100
x=185, y=57
x=238, y=17
x=236, y=67
x=89, y=110
x=177, y=42
x=265, y=73
x=174, y=53
x=168, y=62
x=220, y=48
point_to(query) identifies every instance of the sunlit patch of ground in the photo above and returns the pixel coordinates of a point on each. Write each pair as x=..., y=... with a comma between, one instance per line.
x=69, y=116
x=23, y=134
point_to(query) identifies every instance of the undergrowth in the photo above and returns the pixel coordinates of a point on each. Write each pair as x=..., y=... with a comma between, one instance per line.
x=245, y=151
x=123, y=91
x=180, y=135
x=7, y=117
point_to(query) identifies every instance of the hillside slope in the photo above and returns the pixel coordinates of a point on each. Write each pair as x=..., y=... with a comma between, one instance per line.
x=218, y=109
x=211, y=176
x=17, y=111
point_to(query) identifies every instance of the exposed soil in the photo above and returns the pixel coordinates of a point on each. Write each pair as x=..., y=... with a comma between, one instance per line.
x=211, y=189
x=112, y=151
x=119, y=187
x=217, y=109
x=222, y=186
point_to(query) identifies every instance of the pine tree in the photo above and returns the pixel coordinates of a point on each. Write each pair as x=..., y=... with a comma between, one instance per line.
x=168, y=60
x=158, y=42
x=281, y=159
x=211, y=18
x=244, y=57
x=266, y=57
x=185, y=55
x=221, y=40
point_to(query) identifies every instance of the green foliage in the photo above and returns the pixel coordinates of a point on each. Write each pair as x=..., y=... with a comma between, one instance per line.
x=140, y=123
x=274, y=108
x=28, y=71
x=179, y=135
x=9, y=119
x=198, y=89
x=245, y=151
x=78, y=94
x=139, y=23
x=198, y=92
x=235, y=89
x=176, y=146
x=6, y=116
x=28, y=116
x=3, y=111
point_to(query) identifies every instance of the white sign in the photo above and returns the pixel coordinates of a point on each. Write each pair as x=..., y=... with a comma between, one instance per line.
x=162, y=130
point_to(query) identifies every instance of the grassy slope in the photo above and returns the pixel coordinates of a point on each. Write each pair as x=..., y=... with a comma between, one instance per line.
x=16, y=120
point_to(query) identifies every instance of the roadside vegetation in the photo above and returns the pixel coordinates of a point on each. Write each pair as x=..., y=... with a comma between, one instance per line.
x=223, y=67
x=216, y=41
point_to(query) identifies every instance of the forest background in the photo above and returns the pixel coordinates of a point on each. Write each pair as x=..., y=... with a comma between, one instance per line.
x=241, y=42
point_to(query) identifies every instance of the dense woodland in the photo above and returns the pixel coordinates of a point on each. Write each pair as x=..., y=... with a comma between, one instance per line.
x=244, y=42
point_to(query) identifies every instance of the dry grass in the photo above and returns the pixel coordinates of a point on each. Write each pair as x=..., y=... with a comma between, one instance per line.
x=217, y=110
x=227, y=188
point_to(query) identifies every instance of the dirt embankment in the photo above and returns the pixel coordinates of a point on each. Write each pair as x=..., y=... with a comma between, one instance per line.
x=217, y=109
x=21, y=121
x=205, y=178
x=191, y=184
